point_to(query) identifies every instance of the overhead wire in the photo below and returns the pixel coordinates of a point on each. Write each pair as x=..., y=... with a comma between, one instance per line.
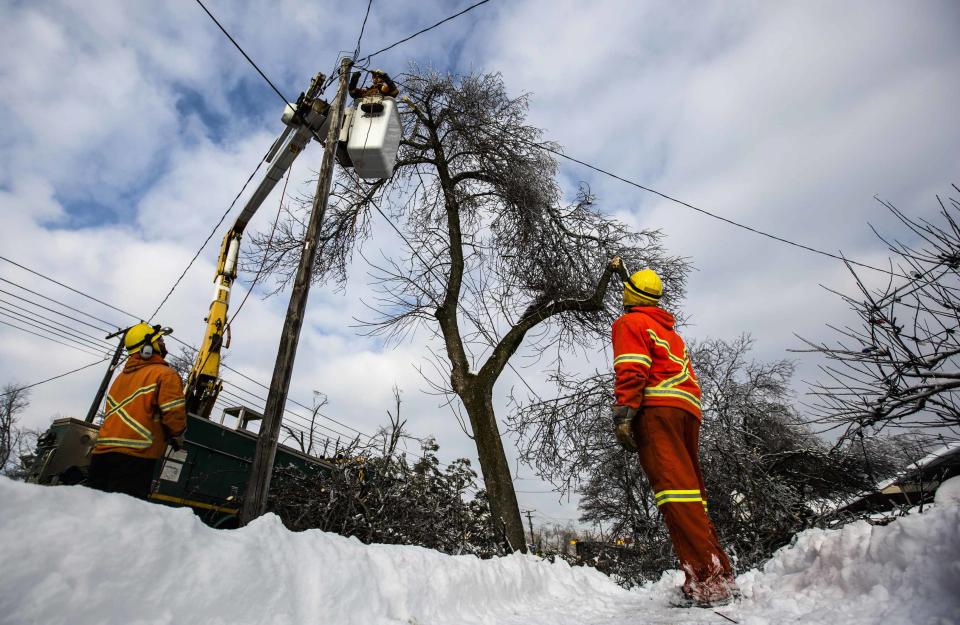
x=98, y=342
x=243, y=52
x=111, y=347
x=43, y=336
x=363, y=27
x=706, y=212
x=58, y=331
x=209, y=237
x=56, y=377
x=294, y=419
x=693, y=207
x=422, y=31
x=69, y=288
x=48, y=309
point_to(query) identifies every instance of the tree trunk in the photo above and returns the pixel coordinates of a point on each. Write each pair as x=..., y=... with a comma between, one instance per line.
x=478, y=402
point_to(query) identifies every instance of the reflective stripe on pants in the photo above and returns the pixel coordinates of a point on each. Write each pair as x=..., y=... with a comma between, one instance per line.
x=668, y=441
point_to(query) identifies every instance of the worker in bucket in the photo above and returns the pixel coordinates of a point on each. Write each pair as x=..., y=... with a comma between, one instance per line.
x=382, y=86
x=144, y=411
x=657, y=415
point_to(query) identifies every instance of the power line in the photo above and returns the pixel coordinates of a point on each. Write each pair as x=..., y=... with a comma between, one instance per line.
x=48, y=330
x=291, y=412
x=727, y=220
x=43, y=336
x=245, y=55
x=665, y=196
x=56, y=377
x=209, y=236
x=55, y=330
x=96, y=340
x=420, y=32
x=69, y=288
x=185, y=344
x=704, y=211
x=363, y=26
x=79, y=345
x=47, y=308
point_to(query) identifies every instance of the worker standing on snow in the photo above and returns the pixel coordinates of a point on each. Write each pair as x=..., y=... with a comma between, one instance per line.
x=145, y=408
x=657, y=414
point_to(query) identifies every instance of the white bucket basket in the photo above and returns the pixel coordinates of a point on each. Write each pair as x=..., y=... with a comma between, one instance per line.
x=374, y=138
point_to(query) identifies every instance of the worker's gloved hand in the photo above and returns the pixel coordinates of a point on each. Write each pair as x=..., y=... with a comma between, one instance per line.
x=623, y=426
x=177, y=442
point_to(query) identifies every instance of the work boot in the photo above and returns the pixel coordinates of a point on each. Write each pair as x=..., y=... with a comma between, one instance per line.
x=712, y=593
x=688, y=601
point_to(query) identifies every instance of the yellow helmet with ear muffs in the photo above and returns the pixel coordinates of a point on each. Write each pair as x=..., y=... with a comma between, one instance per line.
x=145, y=339
x=643, y=288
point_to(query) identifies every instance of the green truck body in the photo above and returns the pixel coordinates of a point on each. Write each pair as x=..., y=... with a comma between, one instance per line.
x=209, y=474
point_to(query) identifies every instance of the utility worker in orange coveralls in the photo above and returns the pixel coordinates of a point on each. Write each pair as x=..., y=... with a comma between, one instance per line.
x=657, y=414
x=382, y=86
x=144, y=409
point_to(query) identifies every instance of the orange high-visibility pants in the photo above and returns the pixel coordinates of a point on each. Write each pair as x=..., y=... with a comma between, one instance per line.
x=668, y=441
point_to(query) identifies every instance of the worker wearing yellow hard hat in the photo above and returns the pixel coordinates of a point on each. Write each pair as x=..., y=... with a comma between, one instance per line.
x=657, y=415
x=145, y=410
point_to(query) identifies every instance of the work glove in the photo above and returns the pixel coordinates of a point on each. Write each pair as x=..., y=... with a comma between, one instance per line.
x=177, y=442
x=623, y=426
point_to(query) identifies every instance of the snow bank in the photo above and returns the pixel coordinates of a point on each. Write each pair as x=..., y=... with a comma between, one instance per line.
x=906, y=572
x=72, y=555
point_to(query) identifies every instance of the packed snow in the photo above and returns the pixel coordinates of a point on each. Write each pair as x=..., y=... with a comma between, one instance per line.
x=75, y=556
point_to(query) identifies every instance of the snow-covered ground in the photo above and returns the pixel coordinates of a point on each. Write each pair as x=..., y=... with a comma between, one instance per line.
x=73, y=556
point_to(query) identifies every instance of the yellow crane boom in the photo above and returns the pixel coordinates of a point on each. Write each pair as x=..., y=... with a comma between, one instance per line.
x=304, y=120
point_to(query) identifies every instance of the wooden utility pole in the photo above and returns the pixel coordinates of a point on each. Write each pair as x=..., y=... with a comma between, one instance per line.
x=98, y=398
x=529, y=514
x=255, y=500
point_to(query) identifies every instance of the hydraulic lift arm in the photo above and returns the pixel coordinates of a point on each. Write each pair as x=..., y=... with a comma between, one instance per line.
x=305, y=120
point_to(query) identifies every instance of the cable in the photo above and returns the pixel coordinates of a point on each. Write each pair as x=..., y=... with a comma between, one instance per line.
x=56, y=377
x=708, y=213
x=210, y=236
x=69, y=288
x=302, y=418
x=690, y=206
x=420, y=32
x=294, y=401
x=53, y=330
x=363, y=26
x=48, y=330
x=245, y=55
x=43, y=336
x=56, y=312
x=175, y=338
x=93, y=339
x=59, y=303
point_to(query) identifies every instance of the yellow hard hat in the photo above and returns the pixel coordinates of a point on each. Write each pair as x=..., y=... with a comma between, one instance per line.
x=142, y=335
x=644, y=288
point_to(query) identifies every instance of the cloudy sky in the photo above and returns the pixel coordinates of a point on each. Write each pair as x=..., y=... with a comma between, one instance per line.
x=129, y=127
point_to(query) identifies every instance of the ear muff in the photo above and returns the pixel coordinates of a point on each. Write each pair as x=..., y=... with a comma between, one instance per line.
x=146, y=351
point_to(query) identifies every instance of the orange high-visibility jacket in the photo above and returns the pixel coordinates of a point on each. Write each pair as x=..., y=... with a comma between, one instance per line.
x=144, y=406
x=651, y=363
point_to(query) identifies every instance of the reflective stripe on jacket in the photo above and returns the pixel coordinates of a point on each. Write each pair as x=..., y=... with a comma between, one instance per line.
x=650, y=362
x=145, y=405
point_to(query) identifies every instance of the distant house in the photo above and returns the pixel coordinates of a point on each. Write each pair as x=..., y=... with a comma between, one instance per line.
x=915, y=486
